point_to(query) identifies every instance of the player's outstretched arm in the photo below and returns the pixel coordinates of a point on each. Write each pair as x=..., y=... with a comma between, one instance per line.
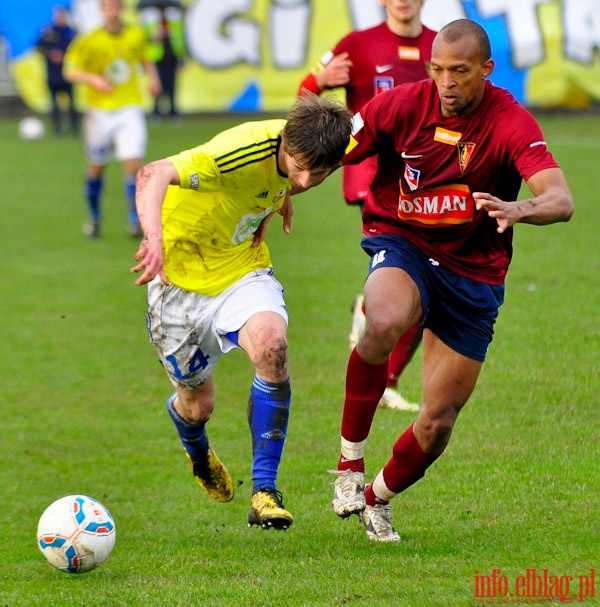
x=96, y=81
x=151, y=187
x=552, y=202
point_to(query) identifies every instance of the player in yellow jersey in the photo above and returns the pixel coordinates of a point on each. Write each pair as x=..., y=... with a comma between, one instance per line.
x=107, y=61
x=210, y=279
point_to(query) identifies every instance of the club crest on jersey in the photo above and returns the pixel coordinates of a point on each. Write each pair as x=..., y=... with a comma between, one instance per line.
x=411, y=176
x=383, y=83
x=465, y=153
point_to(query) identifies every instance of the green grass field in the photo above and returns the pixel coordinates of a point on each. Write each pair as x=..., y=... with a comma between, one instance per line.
x=82, y=399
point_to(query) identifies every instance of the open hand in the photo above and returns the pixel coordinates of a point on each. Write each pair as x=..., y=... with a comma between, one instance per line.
x=286, y=211
x=151, y=263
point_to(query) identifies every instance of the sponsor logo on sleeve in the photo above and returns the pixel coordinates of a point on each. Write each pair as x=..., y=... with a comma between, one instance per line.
x=351, y=144
x=326, y=58
x=357, y=124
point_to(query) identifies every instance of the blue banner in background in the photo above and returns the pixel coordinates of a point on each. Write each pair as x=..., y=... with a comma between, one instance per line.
x=250, y=55
x=21, y=23
x=505, y=74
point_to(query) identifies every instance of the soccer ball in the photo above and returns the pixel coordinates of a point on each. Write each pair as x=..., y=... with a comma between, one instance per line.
x=31, y=128
x=76, y=533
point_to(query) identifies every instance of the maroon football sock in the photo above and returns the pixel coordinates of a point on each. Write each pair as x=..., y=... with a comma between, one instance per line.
x=407, y=464
x=356, y=465
x=370, y=497
x=365, y=384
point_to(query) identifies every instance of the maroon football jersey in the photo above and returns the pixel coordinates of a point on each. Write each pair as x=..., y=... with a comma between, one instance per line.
x=381, y=60
x=429, y=166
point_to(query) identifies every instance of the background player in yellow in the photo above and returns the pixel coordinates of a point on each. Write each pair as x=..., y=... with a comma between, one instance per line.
x=211, y=286
x=106, y=61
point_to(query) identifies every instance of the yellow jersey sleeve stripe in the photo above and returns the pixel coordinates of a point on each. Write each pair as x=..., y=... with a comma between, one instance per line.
x=256, y=152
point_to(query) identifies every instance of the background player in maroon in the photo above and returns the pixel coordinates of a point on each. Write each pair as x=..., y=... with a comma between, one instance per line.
x=438, y=218
x=366, y=63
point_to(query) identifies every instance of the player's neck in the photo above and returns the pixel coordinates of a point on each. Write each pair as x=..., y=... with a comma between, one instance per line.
x=113, y=26
x=406, y=29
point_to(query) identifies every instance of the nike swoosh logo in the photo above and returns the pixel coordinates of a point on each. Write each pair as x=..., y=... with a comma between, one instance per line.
x=383, y=68
x=408, y=156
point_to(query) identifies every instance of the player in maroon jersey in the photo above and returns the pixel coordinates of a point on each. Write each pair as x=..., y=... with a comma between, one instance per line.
x=366, y=63
x=438, y=218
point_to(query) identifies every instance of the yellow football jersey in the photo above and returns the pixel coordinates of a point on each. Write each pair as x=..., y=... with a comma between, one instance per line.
x=117, y=57
x=228, y=186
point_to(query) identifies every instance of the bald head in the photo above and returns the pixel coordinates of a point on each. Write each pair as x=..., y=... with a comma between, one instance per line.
x=460, y=64
x=456, y=30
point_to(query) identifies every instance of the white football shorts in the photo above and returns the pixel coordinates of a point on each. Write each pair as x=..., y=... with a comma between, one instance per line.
x=121, y=134
x=189, y=330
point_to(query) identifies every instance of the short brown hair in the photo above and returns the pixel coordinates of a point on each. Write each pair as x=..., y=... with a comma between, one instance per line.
x=317, y=131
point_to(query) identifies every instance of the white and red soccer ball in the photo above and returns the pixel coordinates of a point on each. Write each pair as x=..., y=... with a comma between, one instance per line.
x=76, y=533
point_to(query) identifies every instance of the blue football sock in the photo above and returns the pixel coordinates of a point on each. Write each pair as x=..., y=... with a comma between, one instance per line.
x=130, y=195
x=193, y=436
x=93, y=190
x=268, y=414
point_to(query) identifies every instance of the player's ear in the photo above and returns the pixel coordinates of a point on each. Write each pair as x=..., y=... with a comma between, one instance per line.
x=487, y=68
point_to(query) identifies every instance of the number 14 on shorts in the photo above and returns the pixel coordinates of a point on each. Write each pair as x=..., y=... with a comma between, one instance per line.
x=197, y=362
